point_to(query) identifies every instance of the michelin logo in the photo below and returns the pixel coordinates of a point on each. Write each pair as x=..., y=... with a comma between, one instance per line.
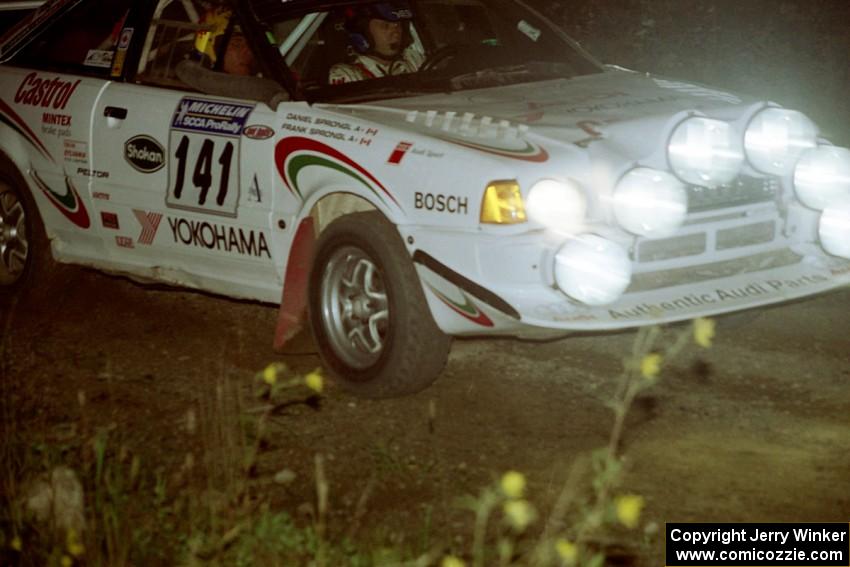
x=212, y=117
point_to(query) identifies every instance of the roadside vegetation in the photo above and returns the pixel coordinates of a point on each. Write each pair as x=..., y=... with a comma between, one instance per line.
x=96, y=499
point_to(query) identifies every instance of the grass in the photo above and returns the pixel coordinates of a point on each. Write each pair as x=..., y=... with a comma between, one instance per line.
x=219, y=502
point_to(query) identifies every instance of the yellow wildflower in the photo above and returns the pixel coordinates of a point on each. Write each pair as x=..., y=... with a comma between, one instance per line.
x=72, y=542
x=567, y=551
x=271, y=372
x=66, y=561
x=704, y=331
x=650, y=366
x=519, y=513
x=314, y=381
x=513, y=484
x=452, y=561
x=16, y=543
x=628, y=509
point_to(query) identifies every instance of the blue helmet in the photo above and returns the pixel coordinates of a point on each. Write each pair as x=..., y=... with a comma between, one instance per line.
x=357, y=21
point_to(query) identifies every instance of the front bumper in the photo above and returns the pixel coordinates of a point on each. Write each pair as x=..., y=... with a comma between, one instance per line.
x=481, y=283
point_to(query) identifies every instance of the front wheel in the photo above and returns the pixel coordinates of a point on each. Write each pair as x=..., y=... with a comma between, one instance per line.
x=369, y=315
x=24, y=249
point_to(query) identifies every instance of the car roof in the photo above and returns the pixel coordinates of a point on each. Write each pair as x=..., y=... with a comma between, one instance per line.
x=8, y=5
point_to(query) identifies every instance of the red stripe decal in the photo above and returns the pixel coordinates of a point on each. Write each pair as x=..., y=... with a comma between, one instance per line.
x=288, y=146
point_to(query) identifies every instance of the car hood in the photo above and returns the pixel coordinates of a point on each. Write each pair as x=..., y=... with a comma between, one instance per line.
x=628, y=112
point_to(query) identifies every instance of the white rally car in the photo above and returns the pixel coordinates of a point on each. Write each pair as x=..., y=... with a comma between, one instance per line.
x=477, y=173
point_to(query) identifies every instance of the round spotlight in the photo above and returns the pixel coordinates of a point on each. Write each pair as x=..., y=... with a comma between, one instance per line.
x=776, y=138
x=834, y=228
x=650, y=203
x=706, y=152
x=592, y=269
x=558, y=205
x=822, y=176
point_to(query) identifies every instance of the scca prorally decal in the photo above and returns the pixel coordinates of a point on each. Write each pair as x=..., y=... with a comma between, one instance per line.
x=530, y=152
x=295, y=153
x=70, y=204
x=150, y=225
x=235, y=240
x=16, y=123
x=467, y=309
x=211, y=116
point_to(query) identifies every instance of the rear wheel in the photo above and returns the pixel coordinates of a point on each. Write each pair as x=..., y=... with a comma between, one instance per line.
x=369, y=315
x=24, y=249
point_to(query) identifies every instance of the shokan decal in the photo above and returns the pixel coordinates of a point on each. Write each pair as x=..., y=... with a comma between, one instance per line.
x=467, y=309
x=295, y=153
x=70, y=204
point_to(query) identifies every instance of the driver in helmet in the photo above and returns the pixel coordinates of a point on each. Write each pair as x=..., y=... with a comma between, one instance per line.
x=380, y=36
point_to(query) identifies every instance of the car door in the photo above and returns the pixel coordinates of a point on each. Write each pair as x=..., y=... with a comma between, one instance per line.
x=185, y=177
x=56, y=80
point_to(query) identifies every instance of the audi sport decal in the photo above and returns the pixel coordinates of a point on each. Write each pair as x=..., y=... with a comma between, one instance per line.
x=70, y=204
x=467, y=309
x=295, y=153
x=16, y=123
x=399, y=152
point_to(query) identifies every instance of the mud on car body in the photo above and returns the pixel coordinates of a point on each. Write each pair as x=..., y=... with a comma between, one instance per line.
x=499, y=182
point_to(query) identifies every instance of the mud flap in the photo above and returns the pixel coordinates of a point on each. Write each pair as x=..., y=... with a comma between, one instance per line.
x=293, y=303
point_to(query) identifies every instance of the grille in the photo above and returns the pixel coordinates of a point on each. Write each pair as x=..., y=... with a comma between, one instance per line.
x=715, y=270
x=743, y=191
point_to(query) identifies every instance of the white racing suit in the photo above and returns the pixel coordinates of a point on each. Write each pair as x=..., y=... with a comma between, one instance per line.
x=367, y=67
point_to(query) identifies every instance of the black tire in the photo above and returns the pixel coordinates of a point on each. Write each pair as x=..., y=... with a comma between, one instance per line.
x=387, y=311
x=25, y=258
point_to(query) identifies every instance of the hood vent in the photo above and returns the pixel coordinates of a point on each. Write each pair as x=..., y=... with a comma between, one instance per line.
x=468, y=125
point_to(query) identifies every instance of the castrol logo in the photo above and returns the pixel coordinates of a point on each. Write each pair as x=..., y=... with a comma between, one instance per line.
x=45, y=91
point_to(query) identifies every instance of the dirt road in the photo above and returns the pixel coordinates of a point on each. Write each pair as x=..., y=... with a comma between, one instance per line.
x=756, y=428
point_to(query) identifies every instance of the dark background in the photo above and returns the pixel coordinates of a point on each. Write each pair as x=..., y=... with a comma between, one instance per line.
x=794, y=52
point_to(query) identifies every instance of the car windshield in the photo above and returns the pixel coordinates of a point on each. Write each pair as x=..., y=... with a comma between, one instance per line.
x=362, y=51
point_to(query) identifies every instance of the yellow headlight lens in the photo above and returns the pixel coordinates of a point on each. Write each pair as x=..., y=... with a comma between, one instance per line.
x=502, y=204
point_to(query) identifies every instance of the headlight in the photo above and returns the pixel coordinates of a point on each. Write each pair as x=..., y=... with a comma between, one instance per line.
x=835, y=228
x=650, y=203
x=558, y=205
x=502, y=204
x=822, y=176
x=776, y=138
x=592, y=269
x=705, y=152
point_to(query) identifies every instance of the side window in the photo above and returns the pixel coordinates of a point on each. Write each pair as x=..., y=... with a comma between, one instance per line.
x=83, y=41
x=170, y=40
x=204, y=33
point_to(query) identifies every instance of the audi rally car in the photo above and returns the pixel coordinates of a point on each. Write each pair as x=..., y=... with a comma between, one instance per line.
x=498, y=181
